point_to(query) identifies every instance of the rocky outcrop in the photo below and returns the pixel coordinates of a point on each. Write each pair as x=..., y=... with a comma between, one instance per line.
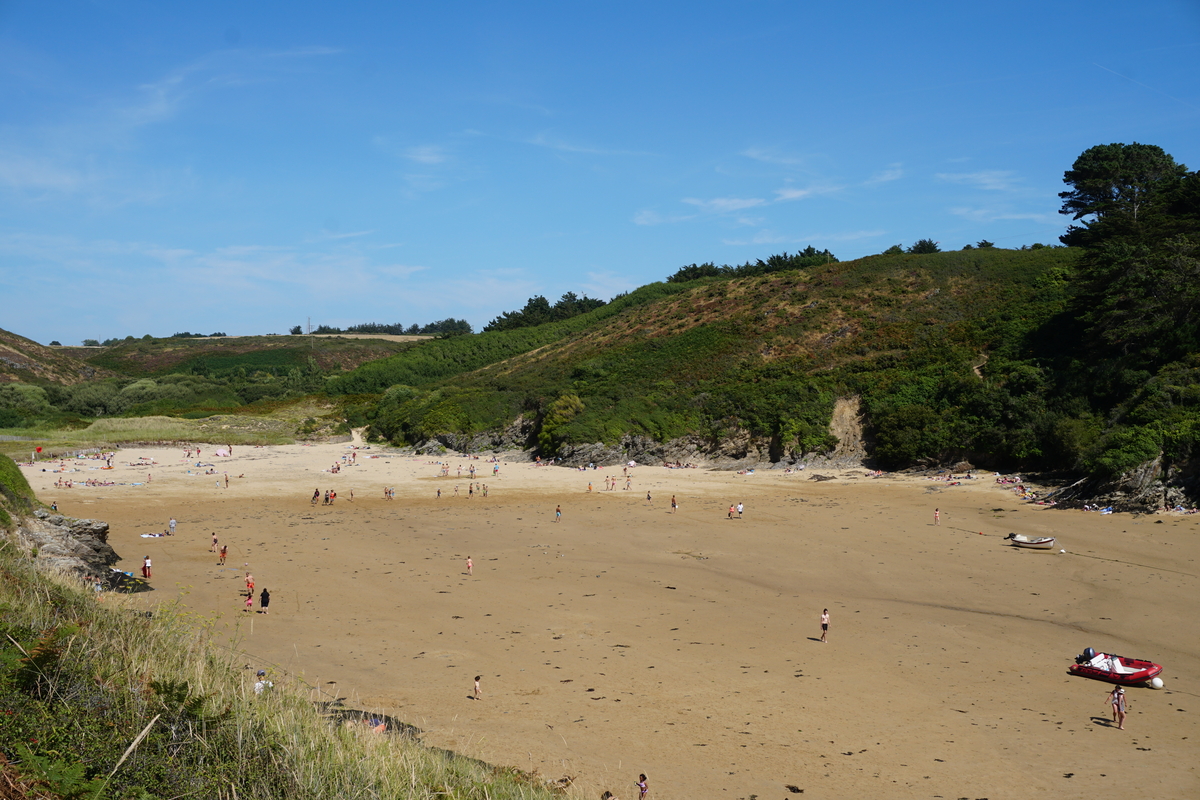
x=733, y=448
x=518, y=436
x=1153, y=485
x=74, y=546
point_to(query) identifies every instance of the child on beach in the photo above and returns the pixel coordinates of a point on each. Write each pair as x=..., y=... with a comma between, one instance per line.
x=1117, y=699
x=213, y=549
x=478, y=694
x=470, y=566
x=937, y=517
x=642, y=787
x=557, y=513
x=249, y=601
x=824, y=624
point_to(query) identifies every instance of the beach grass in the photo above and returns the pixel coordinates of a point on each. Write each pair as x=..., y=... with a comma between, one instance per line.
x=113, y=432
x=100, y=699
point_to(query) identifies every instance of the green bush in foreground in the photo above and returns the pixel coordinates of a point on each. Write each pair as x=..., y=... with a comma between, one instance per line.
x=100, y=701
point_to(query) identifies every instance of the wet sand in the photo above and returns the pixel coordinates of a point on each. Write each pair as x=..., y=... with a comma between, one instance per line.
x=627, y=639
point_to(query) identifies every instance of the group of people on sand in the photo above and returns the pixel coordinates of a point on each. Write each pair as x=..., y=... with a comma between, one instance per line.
x=328, y=498
x=610, y=482
x=264, y=598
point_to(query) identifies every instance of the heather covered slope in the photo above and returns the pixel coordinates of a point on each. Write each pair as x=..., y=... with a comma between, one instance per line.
x=206, y=355
x=767, y=355
x=25, y=361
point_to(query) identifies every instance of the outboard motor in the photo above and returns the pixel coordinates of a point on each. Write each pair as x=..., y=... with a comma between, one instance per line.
x=1086, y=656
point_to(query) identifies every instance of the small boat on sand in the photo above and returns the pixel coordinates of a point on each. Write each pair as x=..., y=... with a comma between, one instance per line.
x=1037, y=543
x=1114, y=669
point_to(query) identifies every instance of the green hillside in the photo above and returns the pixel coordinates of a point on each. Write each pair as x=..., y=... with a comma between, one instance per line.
x=224, y=355
x=16, y=498
x=767, y=354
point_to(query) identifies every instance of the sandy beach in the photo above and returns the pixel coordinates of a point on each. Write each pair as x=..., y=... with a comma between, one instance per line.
x=628, y=639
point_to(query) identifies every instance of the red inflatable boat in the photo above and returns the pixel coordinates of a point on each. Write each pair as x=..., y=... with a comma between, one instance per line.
x=1114, y=669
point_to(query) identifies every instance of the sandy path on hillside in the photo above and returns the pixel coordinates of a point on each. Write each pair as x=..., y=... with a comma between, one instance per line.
x=626, y=639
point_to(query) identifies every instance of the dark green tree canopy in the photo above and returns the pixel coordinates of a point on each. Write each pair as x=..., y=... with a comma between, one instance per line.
x=925, y=246
x=538, y=311
x=1119, y=190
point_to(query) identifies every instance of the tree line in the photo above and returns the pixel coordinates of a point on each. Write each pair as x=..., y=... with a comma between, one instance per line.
x=443, y=327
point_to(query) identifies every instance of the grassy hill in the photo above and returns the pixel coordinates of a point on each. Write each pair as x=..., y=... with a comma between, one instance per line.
x=25, y=361
x=54, y=389
x=217, y=355
x=766, y=354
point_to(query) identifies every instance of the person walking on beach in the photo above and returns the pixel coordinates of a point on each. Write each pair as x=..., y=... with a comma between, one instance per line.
x=730, y=511
x=224, y=552
x=937, y=516
x=249, y=583
x=171, y=525
x=249, y=601
x=740, y=509
x=146, y=568
x=470, y=566
x=213, y=549
x=557, y=513
x=648, y=500
x=1116, y=698
x=478, y=694
x=264, y=600
x=643, y=788
x=824, y=625
x=316, y=495
x=674, y=505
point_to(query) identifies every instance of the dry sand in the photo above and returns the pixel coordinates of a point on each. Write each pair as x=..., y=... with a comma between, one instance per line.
x=626, y=639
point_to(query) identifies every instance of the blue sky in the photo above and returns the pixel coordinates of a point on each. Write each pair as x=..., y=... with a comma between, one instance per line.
x=242, y=167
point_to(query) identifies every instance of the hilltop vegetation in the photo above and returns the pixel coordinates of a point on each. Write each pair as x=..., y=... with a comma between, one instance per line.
x=766, y=354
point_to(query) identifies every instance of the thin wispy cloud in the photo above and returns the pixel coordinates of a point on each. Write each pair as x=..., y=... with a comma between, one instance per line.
x=306, y=52
x=993, y=180
x=845, y=236
x=39, y=173
x=769, y=156
x=552, y=143
x=604, y=284
x=892, y=173
x=427, y=154
x=771, y=237
x=651, y=217
x=762, y=237
x=330, y=236
x=996, y=214
x=788, y=193
x=724, y=205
